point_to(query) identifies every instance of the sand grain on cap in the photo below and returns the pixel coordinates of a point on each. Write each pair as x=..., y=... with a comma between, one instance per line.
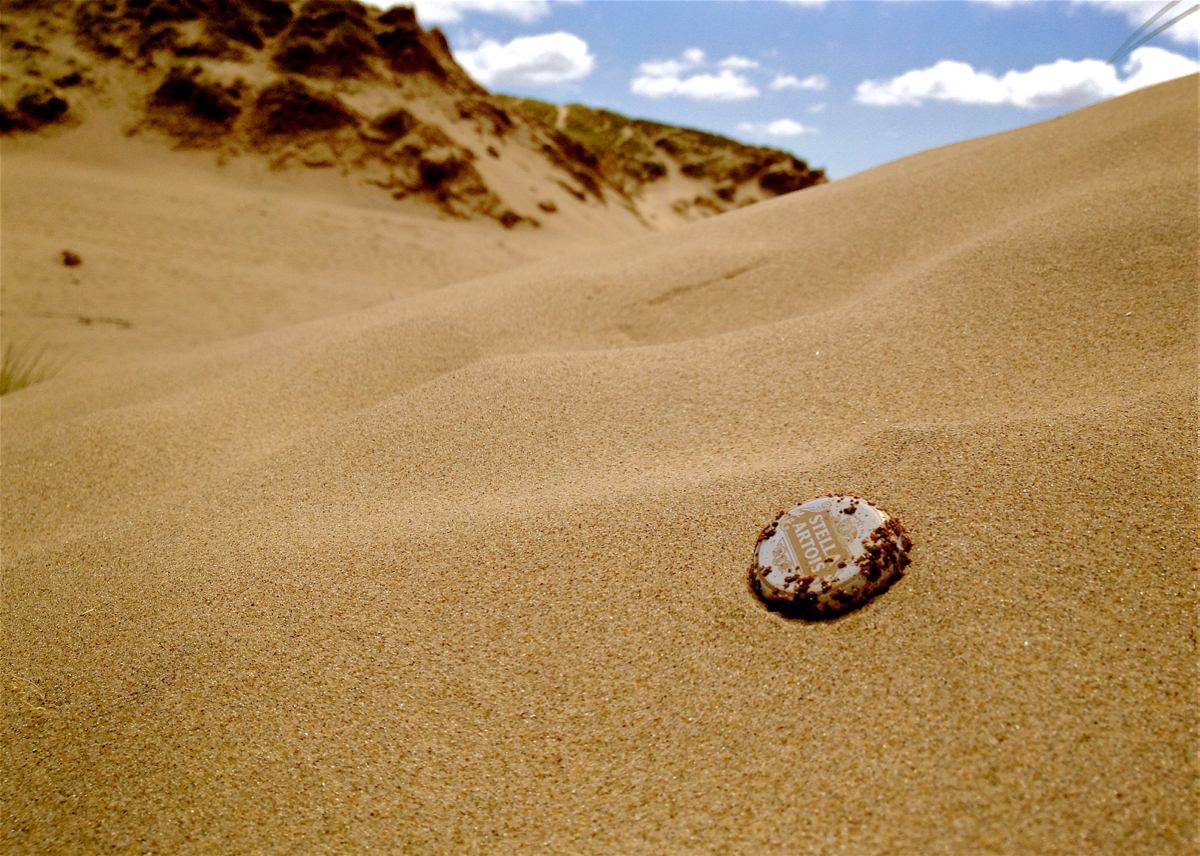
x=465, y=572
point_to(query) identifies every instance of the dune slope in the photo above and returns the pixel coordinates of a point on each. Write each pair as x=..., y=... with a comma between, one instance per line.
x=467, y=572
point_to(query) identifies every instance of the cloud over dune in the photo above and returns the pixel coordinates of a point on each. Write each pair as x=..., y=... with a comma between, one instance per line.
x=737, y=63
x=685, y=78
x=531, y=60
x=815, y=82
x=778, y=128
x=692, y=75
x=438, y=12
x=1063, y=83
x=723, y=86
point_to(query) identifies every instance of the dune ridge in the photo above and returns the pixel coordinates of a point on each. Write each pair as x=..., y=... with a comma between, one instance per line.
x=467, y=570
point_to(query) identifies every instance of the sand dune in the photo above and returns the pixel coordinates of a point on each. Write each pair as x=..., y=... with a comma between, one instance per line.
x=353, y=96
x=466, y=571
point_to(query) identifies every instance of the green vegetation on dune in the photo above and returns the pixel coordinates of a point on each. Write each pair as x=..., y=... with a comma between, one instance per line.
x=21, y=367
x=641, y=150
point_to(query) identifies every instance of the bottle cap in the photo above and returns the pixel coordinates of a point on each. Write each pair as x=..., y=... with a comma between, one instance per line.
x=828, y=556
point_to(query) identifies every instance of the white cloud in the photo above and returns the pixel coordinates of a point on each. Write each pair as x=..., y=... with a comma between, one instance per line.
x=1058, y=84
x=725, y=86
x=690, y=59
x=815, y=82
x=530, y=60
x=816, y=108
x=438, y=12
x=778, y=128
x=683, y=78
x=662, y=68
x=737, y=63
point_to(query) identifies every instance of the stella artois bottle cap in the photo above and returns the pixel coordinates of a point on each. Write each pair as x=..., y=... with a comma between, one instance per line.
x=828, y=556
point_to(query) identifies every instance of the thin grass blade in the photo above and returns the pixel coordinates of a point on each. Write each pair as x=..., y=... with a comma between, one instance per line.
x=1136, y=40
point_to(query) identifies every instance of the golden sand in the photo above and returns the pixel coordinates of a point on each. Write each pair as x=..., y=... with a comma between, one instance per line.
x=464, y=571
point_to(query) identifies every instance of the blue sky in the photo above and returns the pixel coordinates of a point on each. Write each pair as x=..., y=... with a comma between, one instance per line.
x=843, y=84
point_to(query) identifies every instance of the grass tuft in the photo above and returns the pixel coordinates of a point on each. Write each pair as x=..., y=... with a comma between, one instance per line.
x=20, y=367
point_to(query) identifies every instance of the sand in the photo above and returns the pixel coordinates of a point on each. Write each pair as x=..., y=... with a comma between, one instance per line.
x=462, y=568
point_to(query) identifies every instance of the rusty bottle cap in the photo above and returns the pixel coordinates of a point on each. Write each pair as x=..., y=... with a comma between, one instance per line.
x=828, y=556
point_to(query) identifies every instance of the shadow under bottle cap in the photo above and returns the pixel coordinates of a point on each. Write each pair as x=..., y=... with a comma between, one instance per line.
x=828, y=556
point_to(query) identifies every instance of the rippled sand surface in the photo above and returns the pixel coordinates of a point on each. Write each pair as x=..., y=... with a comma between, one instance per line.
x=465, y=571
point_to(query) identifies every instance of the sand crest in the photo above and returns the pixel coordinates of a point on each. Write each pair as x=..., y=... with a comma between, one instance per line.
x=465, y=571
